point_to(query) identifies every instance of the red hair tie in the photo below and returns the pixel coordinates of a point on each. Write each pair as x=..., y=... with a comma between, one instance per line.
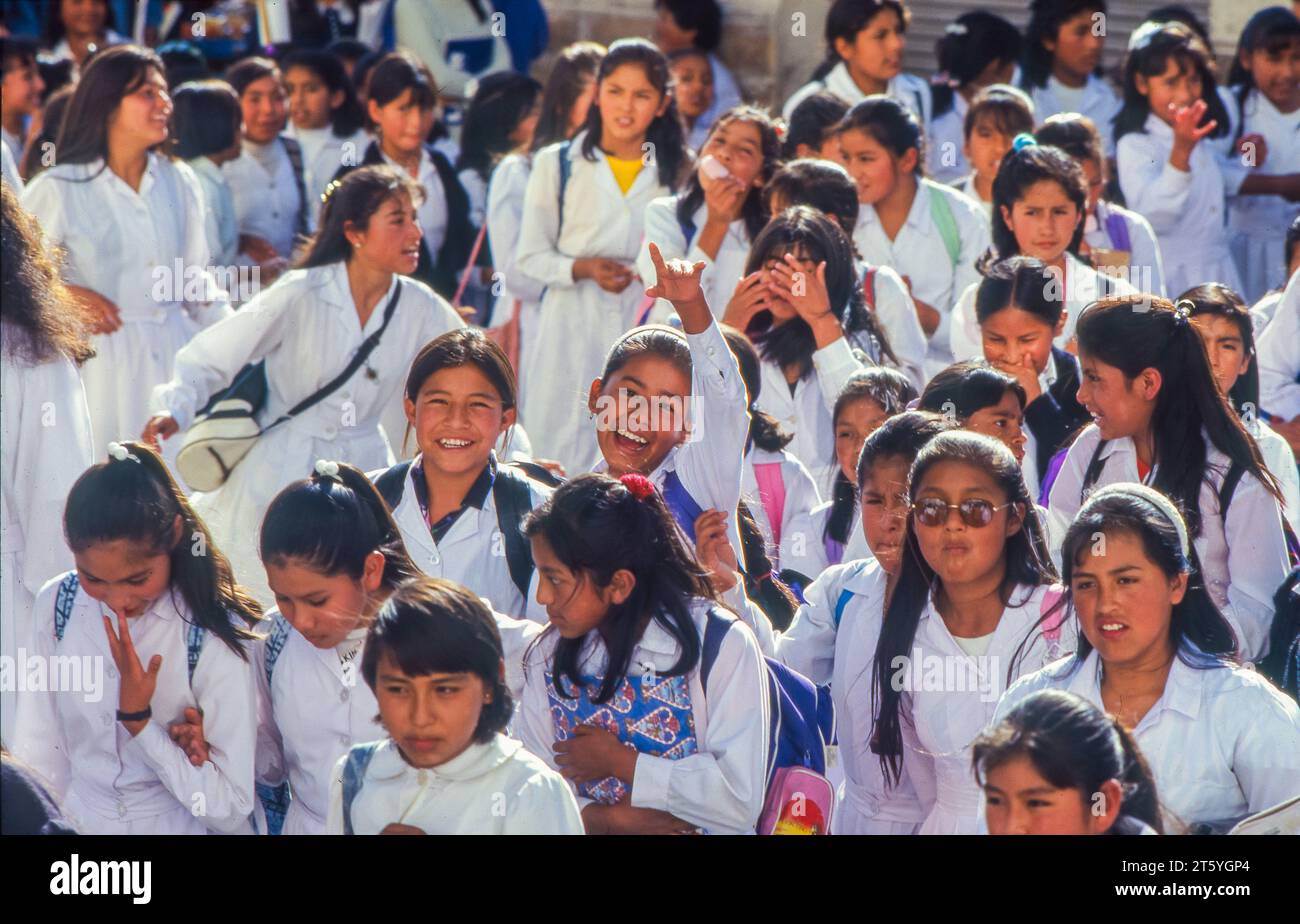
x=640, y=486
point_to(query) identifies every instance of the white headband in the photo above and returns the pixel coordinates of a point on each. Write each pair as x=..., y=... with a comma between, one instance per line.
x=1157, y=500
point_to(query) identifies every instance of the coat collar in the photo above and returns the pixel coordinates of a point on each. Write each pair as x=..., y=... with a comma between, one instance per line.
x=1183, y=688
x=475, y=761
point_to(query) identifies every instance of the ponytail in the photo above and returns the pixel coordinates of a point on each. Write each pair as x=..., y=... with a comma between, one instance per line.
x=764, y=430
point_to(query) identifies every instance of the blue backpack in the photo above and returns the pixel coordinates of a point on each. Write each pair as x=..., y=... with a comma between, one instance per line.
x=275, y=799
x=354, y=771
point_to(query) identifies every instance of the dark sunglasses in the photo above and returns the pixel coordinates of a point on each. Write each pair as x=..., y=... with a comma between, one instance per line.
x=975, y=513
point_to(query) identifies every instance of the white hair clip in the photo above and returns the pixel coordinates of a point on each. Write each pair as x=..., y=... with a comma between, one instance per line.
x=327, y=469
x=1183, y=311
x=1157, y=500
x=120, y=453
x=955, y=28
x=1143, y=35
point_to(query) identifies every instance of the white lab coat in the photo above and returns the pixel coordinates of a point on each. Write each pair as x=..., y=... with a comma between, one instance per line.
x=119, y=242
x=1097, y=100
x=219, y=212
x=505, y=218
x=493, y=788
x=1222, y=742
x=111, y=783
x=911, y=91
x=323, y=155
x=721, y=272
x=266, y=203
x=918, y=252
x=721, y=787
x=1280, y=460
x=473, y=553
x=579, y=320
x=939, y=725
x=306, y=328
x=945, y=143
x=801, y=497
x=46, y=445
x=1243, y=560
x=1194, y=251
x=811, y=532
x=1083, y=286
x=9, y=168
x=1146, y=268
x=432, y=209
x=1257, y=225
x=896, y=313
x=1279, y=360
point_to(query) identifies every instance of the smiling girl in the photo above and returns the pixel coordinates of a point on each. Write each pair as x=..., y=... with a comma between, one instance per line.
x=433, y=661
x=325, y=118
x=307, y=327
x=1157, y=654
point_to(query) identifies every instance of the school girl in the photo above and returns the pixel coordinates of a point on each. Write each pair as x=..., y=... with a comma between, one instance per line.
x=810, y=342
x=692, y=92
x=125, y=214
x=1115, y=240
x=269, y=177
x=325, y=119
x=206, y=126
x=75, y=28
x=172, y=628
x=1160, y=419
x=1279, y=367
x=970, y=597
x=433, y=661
x=21, y=86
x=44, y=425
x=1044, y=764
x=1156, y=652
x=566, y=97
x=457, y=505
x=827, y=187
x=1018, y=319
x=400, y=100
x=1265, y=89
x=587, y=198
x=635, y=630
x=977, y=50
x=1040, y=198
x=810, y=129
x=930, y=234
x=307, y=328
x=864, y=57
x=994, y=118
x=1061, y=70
x=721, y=208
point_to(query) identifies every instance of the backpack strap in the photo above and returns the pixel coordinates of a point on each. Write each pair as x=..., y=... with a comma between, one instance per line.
x=834, y=550
x=1117, y=231
x=294, y=150
x=1052, y=628
x=566, y=169
x=354, y=772
x=869, y=287
x=941, y=215
x=1093, y=471
x=1229, y=487
x=392, y=483
x=194, y=637
x=688, y=229
x=842, y=601
x=64, y=598
x=514, y=500
x=275, y=643
x=685, y=509
x=715, y=630
x=771, y=493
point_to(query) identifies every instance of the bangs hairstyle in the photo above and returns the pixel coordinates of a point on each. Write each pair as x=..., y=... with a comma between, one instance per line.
x=136, y=500
x=820, y=184
x=347, y=118
x=1138, y=332
x=596, y=526
x=1028, y=565
x=846, y=18
x=330, y=524
x=754, y=212
x=572, y=71
x=353, y=202
x=901, y=437
x=250, y=70
x=1272, y=30
x=1045, y=20
x=1020, y=170
x=665, y=132
x=205, y=118
x=393, y=75
x=1019, y=282
x=1076, y=135
x=969, y=45
x=465, y=346
x=109, y=77
x=435, y=626
x=1200, y=633
x=968, y=386
x=890, y=124
x=1171, y=41
x=1216, y=299
x=1072, y=745
x=764, y=430
x=500, y=103
x=17, y=51
x=812, y=122
x=807, y=233
x=1009, y=110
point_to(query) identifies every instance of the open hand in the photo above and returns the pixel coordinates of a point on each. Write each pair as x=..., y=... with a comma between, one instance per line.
x=678, y=281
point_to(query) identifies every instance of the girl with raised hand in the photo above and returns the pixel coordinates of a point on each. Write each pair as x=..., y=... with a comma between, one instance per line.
x=1157, y=653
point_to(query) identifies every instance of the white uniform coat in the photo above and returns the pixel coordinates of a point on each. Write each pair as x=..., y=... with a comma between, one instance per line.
x=111, y=783
x=323, y=154
x=1096, y=99
x=266, y=203
x=800, y=498
x=1279, y=360
x=505, y=218
x=896, y=312
x=306, y=328
x=579, y=320
x=1257, y=225
x=814, y=559
x=911, y=91
x=721, y=272
x=1146, y=268
x=945, y=143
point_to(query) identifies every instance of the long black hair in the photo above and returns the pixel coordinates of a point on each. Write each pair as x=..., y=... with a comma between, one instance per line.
x=1019, y=170
x=665, y=133
x=596, y=525
x=136, y=499
x=353, y=200
x=574, y=67
x=205, y=118
x=969, y=44
x=963, y=388
x=1139, y=332
x=1028, y=564
x=394, y=74
x=1214, y=298
x=846, y=18
x=812, y=121
x=764, y=430
x=110, y=76
x=1169, y=41
x=1073, y=745
x=499, y=104
x=1045, y=20
x=347, y=118
x=890, y=124
x=754, y=212
x=1271, y=30
x=822, y=184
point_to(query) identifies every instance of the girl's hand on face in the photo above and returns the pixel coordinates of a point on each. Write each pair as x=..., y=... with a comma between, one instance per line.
x=725, y=198
x=1024, y=373
x=806, y=292
x=751, y=296
x=594, y=753
x=396, y=828
x=678, y=281
x=714, y=552
x=189, y=735
x=136, y=689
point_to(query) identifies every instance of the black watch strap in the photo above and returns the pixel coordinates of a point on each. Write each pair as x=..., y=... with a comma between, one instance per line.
x=145, y=713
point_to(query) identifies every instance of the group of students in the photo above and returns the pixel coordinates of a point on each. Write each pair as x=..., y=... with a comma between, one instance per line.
x=1000, y=472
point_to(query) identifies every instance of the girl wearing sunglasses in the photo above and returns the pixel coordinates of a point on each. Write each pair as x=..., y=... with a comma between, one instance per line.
x=970, y=612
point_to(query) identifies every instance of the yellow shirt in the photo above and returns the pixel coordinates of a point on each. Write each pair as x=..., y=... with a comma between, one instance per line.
x=625, y=171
